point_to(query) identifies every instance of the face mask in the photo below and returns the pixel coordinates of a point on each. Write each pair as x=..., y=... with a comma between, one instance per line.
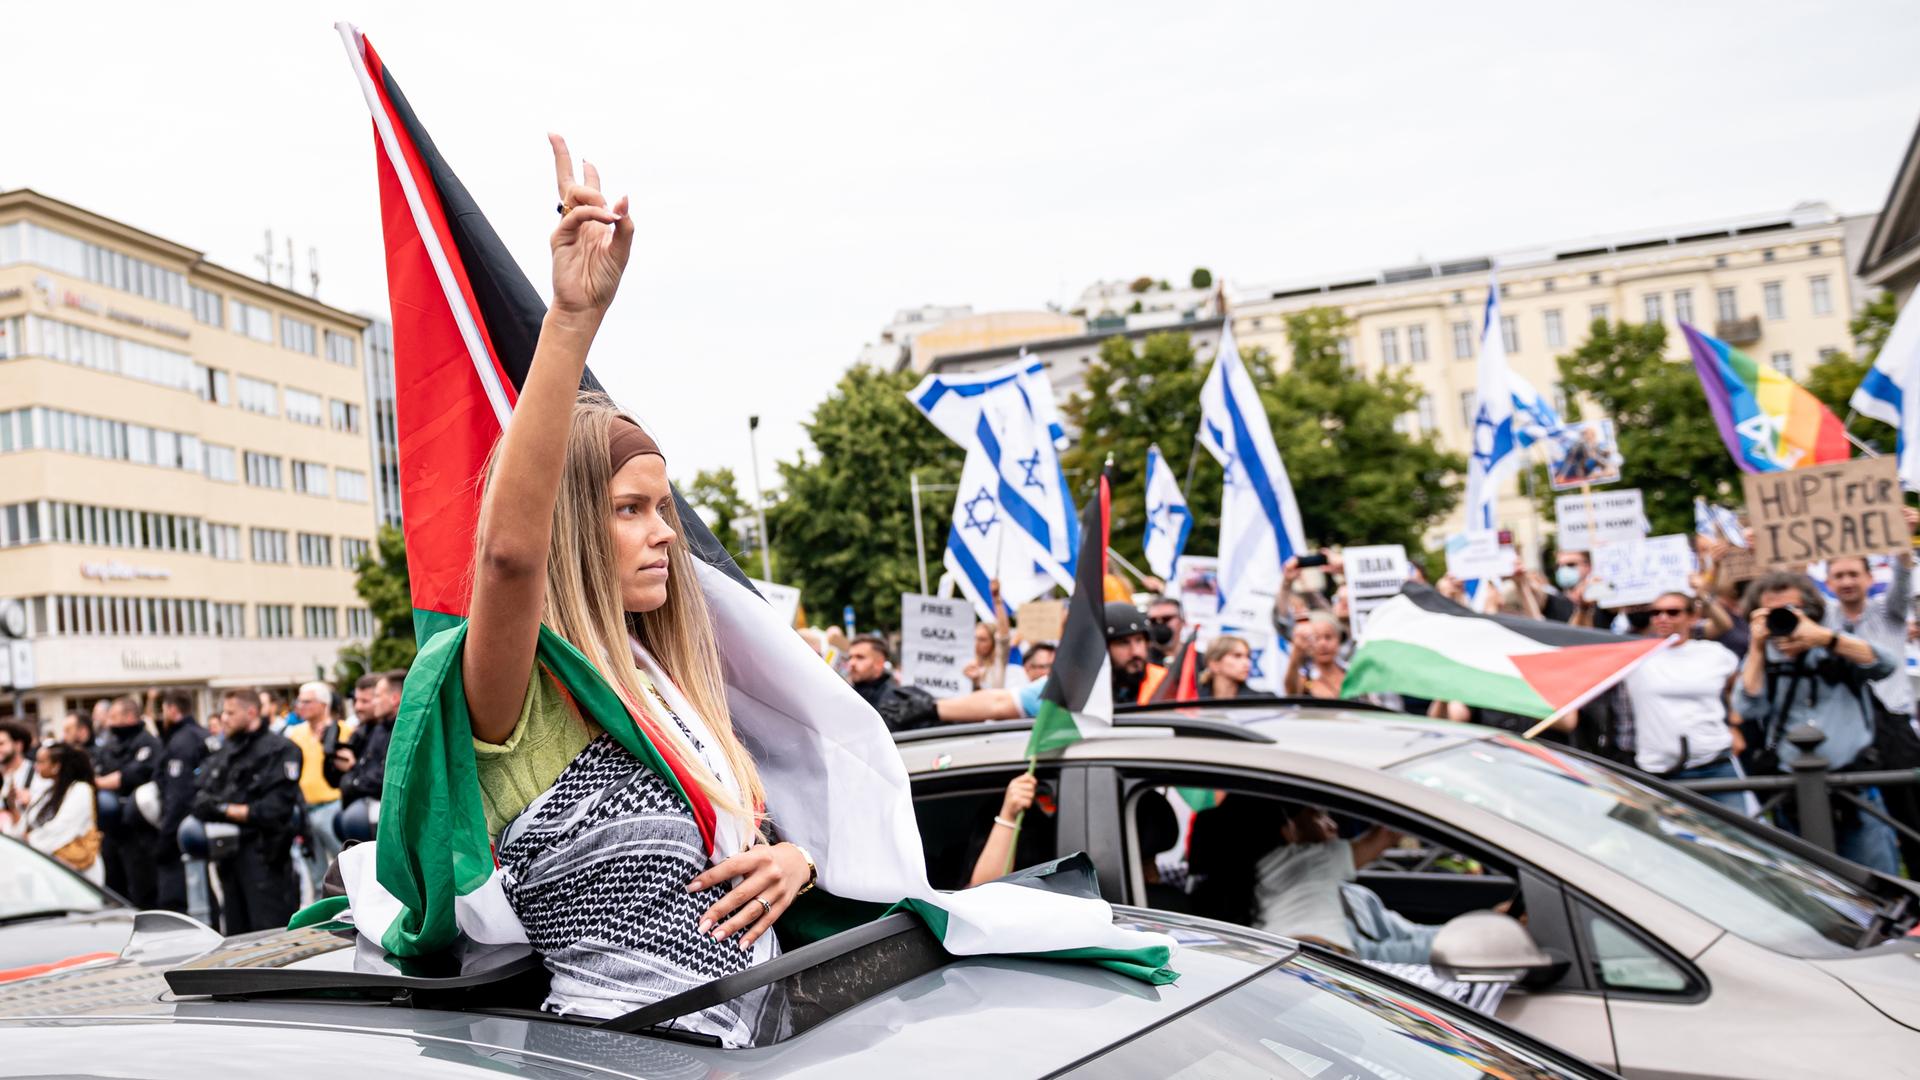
x=1566, y=576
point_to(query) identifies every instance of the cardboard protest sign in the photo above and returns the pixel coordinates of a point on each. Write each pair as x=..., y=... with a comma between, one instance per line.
x=1600, y=518
x=1375, y=574
x=936, y=644
x=1738, y=565
x=1040, y=620
x=1476, y=554
x=1584, y=455
x=1630, y=572
x=1827, y=512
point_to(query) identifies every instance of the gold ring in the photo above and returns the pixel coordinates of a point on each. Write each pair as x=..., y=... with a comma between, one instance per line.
x=564, y=209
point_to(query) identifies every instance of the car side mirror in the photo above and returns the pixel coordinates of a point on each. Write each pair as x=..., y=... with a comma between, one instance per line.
x=1488, y=947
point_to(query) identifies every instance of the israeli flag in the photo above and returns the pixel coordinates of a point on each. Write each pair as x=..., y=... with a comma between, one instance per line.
x=1534, y=417
x=1259, y=520
x=1891, y=391
x=1716, y=522
x=1013, y=518
x=1497, y=431
x=1168, y=520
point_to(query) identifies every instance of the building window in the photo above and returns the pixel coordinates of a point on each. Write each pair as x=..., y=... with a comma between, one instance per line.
x=346, y=416
x=269, y=545
x=1652, y=307
x=82, y=347
x=1813, y=249
x=223, y=541
x=1783, y=363
x=1719, y=262
x=257, y=396
x=1771, y=301
x=340, y=348
x=1556, y=335
x=1559, y=399
x=25, y=241
x=1463, y=341
x=1726, y=306
x=322, y=622
x=359, y=623
x=1593, y=279
x=1599, y=313
x=229, y=620
x=1683, y=305
x=255, y=322
x=1827, y=353
x=1766, y=255
x=302, y=407
x=219, y=388
x=1548, y=285
x=1466, y=409
x=263, y=470
x=352, y=550
x=1345, y=345
x=315, y=549
x=350, y=484
x=37, y=427
x=1389, y=346
x=222, y=463
x=309, y=478
x=208, y=307
x=1821, y=292
x=275, y=620
x=1509, y=334
x=296, y=335
x=1416, y=344
x=1427, y=422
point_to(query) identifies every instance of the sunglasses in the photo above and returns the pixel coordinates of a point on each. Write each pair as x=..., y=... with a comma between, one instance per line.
x=1670, y=612
x=1163, y=620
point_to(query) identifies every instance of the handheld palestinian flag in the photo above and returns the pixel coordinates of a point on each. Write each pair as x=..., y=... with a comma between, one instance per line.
x=1078, y=697
x=1423, y=645
x=465, y=324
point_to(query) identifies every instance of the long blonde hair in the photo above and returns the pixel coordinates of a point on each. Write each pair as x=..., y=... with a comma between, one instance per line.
x=583, y=603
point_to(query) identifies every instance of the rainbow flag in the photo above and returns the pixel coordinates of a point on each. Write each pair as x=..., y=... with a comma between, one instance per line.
x=1768, y=421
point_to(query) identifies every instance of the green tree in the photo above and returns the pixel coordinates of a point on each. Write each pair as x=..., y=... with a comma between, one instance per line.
x=844, y=524
x=1666, y=433
x=383, y=584
x=1202, y=278
x=716, y=494
x=1834, y=380
x=1359, y=479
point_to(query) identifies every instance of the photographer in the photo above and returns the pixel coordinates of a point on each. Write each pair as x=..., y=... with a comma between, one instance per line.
x=1798, y=671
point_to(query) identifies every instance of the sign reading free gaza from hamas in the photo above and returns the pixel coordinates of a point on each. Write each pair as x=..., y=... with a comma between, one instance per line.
x=1827, y=512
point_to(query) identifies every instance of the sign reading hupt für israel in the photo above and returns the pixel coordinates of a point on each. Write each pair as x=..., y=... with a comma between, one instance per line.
x=936, y=644
x=1826, y=512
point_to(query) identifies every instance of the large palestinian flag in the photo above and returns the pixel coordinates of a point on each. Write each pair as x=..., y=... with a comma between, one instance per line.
x=1424, y=645
x=465, y=320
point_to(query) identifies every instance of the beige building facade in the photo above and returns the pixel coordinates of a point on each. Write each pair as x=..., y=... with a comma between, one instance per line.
x=1777, y=286
x=184, y=465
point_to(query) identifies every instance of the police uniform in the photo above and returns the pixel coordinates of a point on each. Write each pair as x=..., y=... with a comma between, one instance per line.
x=128, y=840
x=185, y=746
x=260, y=770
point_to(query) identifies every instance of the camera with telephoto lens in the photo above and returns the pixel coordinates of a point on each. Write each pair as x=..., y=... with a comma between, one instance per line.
x=1782, y=621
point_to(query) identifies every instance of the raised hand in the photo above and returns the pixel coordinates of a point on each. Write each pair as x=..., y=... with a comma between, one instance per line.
x=591, y=246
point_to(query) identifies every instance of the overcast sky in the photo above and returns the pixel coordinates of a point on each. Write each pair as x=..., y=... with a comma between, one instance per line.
x=800, y=171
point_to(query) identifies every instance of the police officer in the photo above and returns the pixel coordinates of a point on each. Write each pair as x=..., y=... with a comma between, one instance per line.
x=127, y=758
x=253, y=781
x=184, y=744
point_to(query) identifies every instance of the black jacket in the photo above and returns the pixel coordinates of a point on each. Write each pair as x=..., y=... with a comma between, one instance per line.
x=134, y=753
x=185, y=747
x=260, y=769
x=904, y=708
x=369, y=746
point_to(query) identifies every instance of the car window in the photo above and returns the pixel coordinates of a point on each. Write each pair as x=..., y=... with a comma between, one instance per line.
x=1623, y=961
x=1724, y=873
x=30, y=883
x=956, y=815
x=1309, y=1020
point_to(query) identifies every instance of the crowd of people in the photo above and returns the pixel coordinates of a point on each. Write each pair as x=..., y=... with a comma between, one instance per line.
x=234, y=821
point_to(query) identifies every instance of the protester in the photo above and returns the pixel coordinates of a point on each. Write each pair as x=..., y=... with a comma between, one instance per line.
x=78, y=731
x=316, y=732
x=1882, y=620
x=1134, y=679
x=128, y=757
x=1167, y=625
x=184, y=745
x=359, y=768
x=1296, y=889
x=903, y=708
x=1816, y=675
x=988, y=668
x=1229, y=663
x=253, y=782
x=16, y=763
x=60, y=821
x=1313, y=664
x=273, y=710
x=1570, y=573
x=1021, y=834
x=98, y=721
x=1037, y=660
x=1679, y=697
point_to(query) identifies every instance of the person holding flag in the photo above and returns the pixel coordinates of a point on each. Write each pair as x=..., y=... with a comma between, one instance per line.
x=1168, y=519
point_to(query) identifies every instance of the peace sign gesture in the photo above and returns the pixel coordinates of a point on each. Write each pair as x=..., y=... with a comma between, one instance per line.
x=591, y=246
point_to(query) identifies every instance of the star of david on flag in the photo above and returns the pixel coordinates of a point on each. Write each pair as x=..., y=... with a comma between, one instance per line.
x=1168, y=519
x=1259, y=520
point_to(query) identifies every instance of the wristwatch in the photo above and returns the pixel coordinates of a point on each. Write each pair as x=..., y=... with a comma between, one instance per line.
x=813, y=872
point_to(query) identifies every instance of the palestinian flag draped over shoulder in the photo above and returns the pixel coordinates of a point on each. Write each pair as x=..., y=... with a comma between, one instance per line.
x=465, y=320
x=1078, y=697
x=1424, y=645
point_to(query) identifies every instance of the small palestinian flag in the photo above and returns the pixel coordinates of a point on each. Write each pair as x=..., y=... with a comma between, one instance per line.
x=1078, y=697
x=1424, y=645
x=1183, y=675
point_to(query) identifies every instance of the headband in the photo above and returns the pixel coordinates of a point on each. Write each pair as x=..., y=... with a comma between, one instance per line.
x=626, y=441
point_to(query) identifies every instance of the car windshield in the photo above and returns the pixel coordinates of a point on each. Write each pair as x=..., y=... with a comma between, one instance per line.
x=1309, y=1020
x=31, y=883
x=1729, y=875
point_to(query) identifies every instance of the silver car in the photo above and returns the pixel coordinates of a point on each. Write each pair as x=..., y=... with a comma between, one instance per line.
x=1678, y=939
x=879, y=1000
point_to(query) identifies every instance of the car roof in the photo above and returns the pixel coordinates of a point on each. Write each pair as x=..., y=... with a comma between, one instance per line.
x=127, y=1020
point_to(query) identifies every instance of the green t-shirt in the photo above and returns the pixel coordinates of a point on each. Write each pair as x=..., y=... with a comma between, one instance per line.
x=548, y=736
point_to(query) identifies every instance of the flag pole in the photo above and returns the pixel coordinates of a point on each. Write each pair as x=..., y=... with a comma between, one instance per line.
x=1862, y=447
x=1543, y=725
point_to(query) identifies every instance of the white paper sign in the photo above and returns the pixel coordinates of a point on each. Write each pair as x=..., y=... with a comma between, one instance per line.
x=1615, y=516
x=1377, y=570
x=784, y=599
x=1634, y=572
x=1476, y=554
x=936, y=644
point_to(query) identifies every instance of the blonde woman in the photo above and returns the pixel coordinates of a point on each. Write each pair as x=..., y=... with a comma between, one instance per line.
x=1229, y=664
x=614, y=876
x=1313, y=665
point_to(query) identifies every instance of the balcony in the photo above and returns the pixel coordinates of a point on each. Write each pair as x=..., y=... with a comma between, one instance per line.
x=1738, y=331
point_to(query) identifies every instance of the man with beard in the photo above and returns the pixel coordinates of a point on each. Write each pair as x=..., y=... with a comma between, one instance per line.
x=903, y=708
x=126, y=759
x=184, y=745
x=359, y=768
x=1134, y=677
x=16, y=765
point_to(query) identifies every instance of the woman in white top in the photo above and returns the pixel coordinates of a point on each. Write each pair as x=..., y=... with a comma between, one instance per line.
x=1679, y=697
x=62, y=812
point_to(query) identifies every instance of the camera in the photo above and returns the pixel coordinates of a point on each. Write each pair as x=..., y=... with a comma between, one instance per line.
x=1782, y=621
